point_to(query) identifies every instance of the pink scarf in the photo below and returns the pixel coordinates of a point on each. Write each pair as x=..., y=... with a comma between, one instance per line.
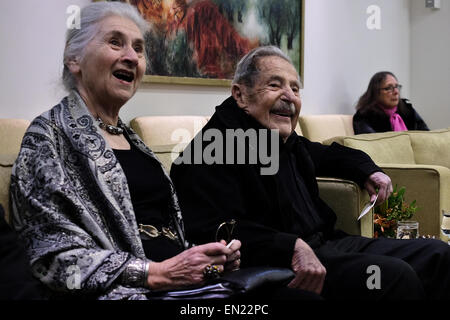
x=397, y=123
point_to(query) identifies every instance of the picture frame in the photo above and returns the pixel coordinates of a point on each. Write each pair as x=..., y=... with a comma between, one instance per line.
x=200, y=42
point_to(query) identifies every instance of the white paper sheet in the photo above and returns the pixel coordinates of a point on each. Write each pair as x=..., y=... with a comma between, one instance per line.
x=367, y=208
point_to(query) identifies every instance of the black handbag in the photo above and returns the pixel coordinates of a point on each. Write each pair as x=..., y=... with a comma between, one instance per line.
x=231, y=284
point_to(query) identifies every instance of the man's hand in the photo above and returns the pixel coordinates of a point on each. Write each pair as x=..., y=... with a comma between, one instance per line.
x=383, y=183
x=309, y=272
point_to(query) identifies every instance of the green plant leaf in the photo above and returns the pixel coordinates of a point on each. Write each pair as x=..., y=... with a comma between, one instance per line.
x=394, y=209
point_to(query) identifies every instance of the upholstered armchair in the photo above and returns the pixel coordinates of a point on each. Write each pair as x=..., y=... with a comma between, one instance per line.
x=417, y=160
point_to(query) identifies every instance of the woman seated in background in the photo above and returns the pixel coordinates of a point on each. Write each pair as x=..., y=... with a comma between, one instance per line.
x=381, y=109
x=95, y=209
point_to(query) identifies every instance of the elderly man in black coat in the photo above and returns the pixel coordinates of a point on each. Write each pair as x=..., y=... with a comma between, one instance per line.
x=248, y=165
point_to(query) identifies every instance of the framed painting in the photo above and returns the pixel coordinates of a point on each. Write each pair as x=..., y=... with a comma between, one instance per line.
x=200, y=41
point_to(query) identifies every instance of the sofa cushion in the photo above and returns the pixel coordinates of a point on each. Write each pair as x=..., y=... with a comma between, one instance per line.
x=6, y=164
x=166, y=130
x=168, y=153
x=321, y=127
x=431, y=147
x=11, y=134
x=389, y=147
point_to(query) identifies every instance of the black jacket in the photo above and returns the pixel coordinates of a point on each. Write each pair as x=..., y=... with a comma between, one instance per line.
x=376, y=120
x=212, y=194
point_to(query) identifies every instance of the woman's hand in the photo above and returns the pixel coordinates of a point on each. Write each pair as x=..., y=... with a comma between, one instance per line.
x=187, y=267
x=233, y=259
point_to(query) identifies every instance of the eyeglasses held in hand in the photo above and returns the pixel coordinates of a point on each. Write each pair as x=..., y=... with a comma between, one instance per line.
x=391, y=89
x=225, y=231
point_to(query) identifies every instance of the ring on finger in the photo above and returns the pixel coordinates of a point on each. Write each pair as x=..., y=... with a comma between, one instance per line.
x=212, y=271
x=238, y=264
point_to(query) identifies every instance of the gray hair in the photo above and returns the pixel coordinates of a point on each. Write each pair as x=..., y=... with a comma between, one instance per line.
x=78, y=38
x=247, y=68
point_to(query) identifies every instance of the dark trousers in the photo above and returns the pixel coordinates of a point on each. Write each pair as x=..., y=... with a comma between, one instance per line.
x=364, y=268
x=16, y=280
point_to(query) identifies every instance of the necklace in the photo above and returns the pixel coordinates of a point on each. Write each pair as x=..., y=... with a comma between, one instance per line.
x=110, y=128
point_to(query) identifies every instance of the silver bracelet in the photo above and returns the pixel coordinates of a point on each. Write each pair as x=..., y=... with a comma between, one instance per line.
x=136, y=273
x=146, y=269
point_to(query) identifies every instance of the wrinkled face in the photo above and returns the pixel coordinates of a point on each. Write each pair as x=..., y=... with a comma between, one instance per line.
x=113, y=63
x=389, y=96
x=274, y=100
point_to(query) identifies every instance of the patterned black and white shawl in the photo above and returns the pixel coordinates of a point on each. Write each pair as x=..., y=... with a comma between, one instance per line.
x=72, y=208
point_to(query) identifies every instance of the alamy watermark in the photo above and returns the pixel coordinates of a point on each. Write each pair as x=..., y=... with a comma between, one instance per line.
x=374, y=280
x=235, y=146
x=373, y=22
x=73, y=281
x=74, y=18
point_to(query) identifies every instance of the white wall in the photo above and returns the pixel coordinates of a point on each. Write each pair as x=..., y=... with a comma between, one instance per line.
x=341, y=54
x=430, y=62
x=32, y=42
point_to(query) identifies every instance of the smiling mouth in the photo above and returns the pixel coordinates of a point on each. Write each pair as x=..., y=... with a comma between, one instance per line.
x=281, y=113
x=286, y=110
x=124, y=75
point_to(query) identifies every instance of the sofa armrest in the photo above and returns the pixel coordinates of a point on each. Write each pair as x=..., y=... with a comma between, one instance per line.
x=429, y=185
x=6, y=164
x=347, y=200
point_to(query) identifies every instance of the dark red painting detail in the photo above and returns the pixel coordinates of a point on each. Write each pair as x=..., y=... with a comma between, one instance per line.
x=215, y=42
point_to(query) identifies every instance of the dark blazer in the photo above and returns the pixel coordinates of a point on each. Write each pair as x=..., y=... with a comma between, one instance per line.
x=376, y=120
x=16, y=281
x=212, y=194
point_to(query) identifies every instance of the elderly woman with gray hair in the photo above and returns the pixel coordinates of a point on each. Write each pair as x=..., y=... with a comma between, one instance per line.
x=94, y=207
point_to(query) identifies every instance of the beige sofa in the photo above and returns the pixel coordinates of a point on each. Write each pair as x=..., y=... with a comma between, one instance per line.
x=168, y=135
x=11, y=134
x=417, y=160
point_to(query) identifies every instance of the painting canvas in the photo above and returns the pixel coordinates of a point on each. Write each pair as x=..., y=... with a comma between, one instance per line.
x=201, y=41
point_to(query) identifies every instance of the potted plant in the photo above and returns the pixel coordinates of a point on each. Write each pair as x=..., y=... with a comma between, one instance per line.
x=394, y=209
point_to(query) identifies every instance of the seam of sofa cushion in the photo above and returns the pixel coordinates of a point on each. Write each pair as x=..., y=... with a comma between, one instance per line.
x=7, y=160
x=359, y=138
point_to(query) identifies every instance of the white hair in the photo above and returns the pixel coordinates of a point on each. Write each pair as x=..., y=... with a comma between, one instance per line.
x=247, y=68
x=78, y=38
